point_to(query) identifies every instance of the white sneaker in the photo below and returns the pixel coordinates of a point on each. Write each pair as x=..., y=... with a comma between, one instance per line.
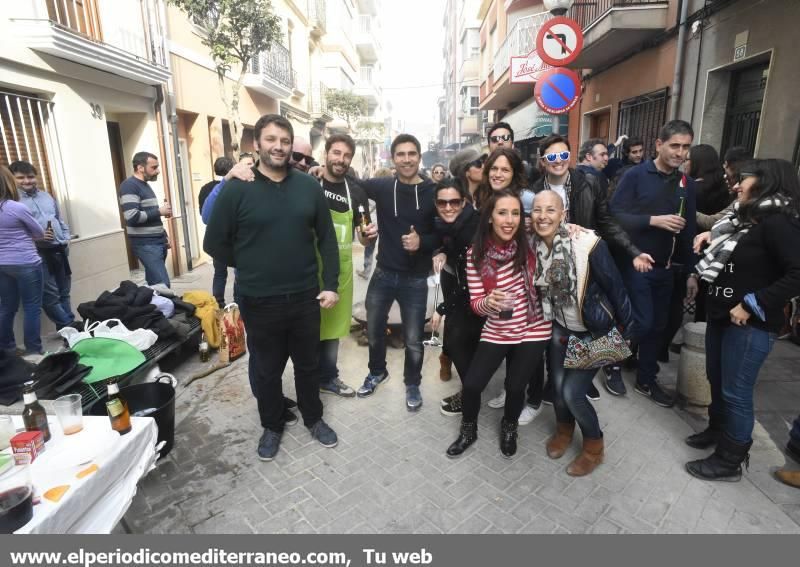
x=498, y=402
x=529, y=413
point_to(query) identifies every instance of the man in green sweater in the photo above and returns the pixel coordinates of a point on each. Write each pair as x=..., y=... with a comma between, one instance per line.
x=269, y=230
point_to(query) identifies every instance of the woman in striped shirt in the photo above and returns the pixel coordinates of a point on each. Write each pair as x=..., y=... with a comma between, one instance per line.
x=500, y=275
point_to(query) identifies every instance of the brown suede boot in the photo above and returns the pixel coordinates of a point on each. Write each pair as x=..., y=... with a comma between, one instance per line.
x=445, y=371
x=590, y=457
x=792, y=478
x=557, y=445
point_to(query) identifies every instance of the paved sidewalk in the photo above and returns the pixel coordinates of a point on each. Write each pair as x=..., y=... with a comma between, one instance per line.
x=389, y=473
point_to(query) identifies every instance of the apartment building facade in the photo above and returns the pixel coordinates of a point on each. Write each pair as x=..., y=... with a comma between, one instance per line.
x=460, y=114
x=82, y=89
x=508, y=29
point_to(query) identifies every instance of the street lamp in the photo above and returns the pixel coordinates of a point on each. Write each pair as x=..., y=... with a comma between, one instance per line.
x=557, y=7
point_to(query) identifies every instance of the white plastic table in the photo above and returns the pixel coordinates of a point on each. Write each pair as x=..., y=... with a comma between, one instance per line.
x=96, y=503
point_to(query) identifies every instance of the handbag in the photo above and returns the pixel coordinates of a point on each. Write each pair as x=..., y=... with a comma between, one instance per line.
x=586, y=354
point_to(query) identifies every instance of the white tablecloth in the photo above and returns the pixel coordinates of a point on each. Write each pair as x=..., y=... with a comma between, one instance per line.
x=97, y=502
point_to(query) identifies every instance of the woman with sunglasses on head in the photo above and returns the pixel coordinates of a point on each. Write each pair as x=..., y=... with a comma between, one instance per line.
x=467, y=168
x=500, y=274
x=586, y=205
x=456, y=223
x=752, y=268
x=583, y=295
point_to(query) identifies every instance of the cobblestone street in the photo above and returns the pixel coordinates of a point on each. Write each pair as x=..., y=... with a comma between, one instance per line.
x=389, y=473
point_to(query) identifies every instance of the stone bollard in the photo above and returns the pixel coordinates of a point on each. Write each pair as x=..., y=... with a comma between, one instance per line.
x=692, y=382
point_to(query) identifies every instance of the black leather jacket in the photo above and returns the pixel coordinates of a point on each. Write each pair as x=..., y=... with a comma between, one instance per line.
x=589, y=209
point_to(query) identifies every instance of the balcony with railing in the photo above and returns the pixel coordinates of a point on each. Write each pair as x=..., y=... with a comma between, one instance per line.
x=520, y=41
x=123, y=37
x=612, y=28
x=316, y=17
x=368, y=88
x=270, y=72
x=366, y=39
x=319, y=102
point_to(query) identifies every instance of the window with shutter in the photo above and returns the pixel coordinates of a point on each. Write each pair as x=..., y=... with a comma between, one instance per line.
x=24, y=121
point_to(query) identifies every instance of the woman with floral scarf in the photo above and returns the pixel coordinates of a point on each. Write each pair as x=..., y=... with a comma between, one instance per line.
x=582, y=293
x=500, y=273
x=752, y=268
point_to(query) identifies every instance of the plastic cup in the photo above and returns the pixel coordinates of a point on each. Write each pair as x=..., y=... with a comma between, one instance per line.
x=507, y=307
x=69, y=410
x=16, y=499
x=7, y=431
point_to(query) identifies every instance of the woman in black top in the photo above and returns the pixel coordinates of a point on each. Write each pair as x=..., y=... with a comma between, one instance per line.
x=456, y=223
x=752, y=267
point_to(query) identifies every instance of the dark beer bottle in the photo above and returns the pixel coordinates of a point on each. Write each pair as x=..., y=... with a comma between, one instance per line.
x=118, y=410
x=365, y=220
x=33, y=416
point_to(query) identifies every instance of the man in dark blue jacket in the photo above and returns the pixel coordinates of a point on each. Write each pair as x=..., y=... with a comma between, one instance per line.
x=405, y=210
x=655, y=203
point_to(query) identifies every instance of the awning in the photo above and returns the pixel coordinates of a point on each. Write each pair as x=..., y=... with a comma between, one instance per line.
x=529, y=121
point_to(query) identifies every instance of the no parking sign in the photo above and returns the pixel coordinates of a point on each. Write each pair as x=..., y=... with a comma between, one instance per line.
x=557, y=90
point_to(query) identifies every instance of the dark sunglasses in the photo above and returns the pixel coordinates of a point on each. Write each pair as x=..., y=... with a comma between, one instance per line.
x=503, y=138
x=477, y=163
x=556, y=156
x=452, y=203
x=298, y=157
x=246, y=155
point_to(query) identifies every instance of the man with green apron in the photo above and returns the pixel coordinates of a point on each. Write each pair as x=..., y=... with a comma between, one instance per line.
x=345, y=199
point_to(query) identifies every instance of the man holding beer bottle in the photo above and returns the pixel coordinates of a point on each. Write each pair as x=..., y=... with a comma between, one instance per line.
x=655, y=203
x=349, y=211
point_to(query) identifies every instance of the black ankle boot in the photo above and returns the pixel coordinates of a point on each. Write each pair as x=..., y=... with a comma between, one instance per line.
x=706, y=438
x=725, y=463
x=467, y=436
x=508, y=438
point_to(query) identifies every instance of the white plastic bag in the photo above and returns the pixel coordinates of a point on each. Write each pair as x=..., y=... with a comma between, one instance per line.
x=142, y=339
x=72, y=335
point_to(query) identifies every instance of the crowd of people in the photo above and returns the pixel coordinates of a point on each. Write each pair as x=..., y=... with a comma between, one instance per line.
x=550, y=270
x=539, y=263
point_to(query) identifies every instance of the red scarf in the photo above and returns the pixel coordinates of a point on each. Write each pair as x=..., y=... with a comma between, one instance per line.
x=496, y=256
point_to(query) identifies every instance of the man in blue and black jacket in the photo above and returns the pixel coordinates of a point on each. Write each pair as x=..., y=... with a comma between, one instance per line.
x=655, y=203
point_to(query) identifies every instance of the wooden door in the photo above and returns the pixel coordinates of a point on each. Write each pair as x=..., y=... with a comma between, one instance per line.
x=118, y=164
x=600, y=125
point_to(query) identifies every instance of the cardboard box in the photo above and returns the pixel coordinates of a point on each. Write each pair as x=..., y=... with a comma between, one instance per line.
x=27, y=443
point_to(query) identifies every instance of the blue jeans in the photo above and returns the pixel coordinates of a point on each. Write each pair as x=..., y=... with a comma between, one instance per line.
x=369, y=252
x=570, y=386
x=57, y=287
x=650, y=298
x=219, y=282
x=411, y=293
x=794, y=434
x=23, y=282
x=152, y=254
x=328, y=357
x=734, y=356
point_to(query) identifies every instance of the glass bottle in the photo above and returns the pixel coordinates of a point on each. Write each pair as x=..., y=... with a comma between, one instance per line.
x=33, y=416
x=365, y=220
x=118, y=410
x=204, y=353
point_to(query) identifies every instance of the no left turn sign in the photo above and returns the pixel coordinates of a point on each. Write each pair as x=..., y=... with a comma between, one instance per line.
x=559, y=41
